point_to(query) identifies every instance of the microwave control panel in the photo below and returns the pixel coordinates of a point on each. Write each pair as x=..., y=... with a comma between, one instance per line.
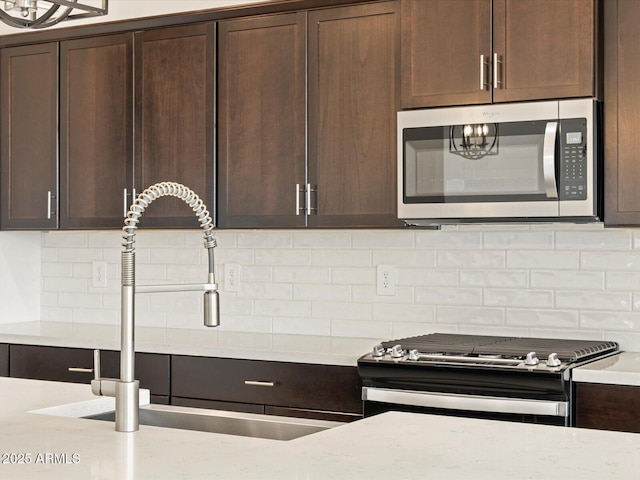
x=572, y=177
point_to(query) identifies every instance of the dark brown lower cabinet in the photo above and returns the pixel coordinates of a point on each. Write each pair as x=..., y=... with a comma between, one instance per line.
x=53, y=363
x=327, y=392
x=608, y=407
x=4, y=360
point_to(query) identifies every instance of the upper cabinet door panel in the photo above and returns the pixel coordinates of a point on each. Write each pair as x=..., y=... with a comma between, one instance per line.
x=622, y=112
x=353, y=102
x=29, y=129
x=174, y=118
x=442, y=41
x=547, y=48
x=261, y=112
x=96, y=130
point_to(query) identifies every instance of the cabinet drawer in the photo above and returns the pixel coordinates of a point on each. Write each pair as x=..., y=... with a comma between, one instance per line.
x=52, y=363
x=4, y=360
x=294, y=385
x=608, y=407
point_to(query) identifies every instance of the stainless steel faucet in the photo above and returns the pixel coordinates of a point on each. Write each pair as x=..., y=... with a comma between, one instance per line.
x=126, y=388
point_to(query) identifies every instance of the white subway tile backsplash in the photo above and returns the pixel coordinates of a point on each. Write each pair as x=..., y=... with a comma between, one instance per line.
x=391, y=239
x=449, y=296
x=341, y=310
x=623, y=261
x=322, y=239
x=562, y=279
x=301, y=274
x=276, y=256
x=547, y=259
x=513, y=297
x=604, y=240
x=353, y=275
x=426, y=277
x=471, y=259
x=625, y=281
x=611, y=321
x=448, y=240
x=586, y=300
x=494, y=278
x=470, y=316
x=405, y=258
x=341, y=258
x=537, y=318
x=407, y=313
x=520, y=240
x=544, y=280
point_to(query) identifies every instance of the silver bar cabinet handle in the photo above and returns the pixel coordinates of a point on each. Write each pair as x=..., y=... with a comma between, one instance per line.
x=298, y=199
x=496, y=71
x=483, y=76
x=50, y=211
x=310, y=189
x=96, y=366
x=124, y=203
x=258, y=383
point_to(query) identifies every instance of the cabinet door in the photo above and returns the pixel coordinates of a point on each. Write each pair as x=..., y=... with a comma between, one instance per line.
x=29, y=129
x=442, y=41
x=174, y=126
x=353, y=101
x=96, y=131
x=284, y=384
x=53, y=363
x=546, y=49
x=622, y=112
x=608, y=407
x=261, y=101
x=4, y=360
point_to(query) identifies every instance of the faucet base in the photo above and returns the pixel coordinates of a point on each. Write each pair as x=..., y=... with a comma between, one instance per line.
x=127, y=400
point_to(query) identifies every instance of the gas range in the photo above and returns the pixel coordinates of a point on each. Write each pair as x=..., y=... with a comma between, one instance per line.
x=474, y=351
x=505, y=378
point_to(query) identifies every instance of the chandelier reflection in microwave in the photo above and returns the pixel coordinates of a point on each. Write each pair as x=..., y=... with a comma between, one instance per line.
x=474, y=141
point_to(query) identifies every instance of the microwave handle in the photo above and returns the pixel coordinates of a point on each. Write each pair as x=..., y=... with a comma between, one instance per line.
x=549, y=159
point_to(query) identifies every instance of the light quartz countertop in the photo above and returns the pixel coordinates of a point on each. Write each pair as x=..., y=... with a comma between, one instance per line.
x=208, y=342
x=390, y=445
x=623, y=369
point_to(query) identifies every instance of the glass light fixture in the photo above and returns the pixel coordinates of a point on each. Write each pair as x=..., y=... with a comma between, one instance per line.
x=45, y=13
x=474, y=141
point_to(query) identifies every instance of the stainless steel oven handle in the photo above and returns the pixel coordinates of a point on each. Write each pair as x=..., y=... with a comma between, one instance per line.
x=472, y=403
x=549, y=159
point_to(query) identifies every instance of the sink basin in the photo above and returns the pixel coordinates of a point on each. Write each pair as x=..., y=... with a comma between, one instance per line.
x=230, y=423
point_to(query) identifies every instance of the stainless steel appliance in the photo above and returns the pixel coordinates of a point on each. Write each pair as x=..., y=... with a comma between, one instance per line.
x=505, y=378
x=529, y=161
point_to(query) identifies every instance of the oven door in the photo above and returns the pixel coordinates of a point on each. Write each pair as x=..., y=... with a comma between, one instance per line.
x=378, y=400
x=494, y=161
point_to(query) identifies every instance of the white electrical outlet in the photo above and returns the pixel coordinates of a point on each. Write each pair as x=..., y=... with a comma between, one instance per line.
x=231, y=277
x=386, y=280
x=99, y=279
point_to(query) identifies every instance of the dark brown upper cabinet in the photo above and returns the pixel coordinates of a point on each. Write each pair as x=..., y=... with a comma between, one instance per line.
x=457, y=52
x=621, y=112
x=96, y=131
x=343, y=172
x=354, y=88
x=174, y=118
x=261, y=114
x=29, y=147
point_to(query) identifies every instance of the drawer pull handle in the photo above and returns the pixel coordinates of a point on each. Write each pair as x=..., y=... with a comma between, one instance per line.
x=257, y=383
x=80, y=369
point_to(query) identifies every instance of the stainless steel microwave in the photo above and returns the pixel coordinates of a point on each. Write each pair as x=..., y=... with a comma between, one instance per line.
x=511, y=162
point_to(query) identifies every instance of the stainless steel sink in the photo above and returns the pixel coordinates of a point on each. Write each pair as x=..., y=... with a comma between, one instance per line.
x=230, y=423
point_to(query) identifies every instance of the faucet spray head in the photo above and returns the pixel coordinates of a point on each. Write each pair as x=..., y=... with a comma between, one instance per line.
x=211, y=309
